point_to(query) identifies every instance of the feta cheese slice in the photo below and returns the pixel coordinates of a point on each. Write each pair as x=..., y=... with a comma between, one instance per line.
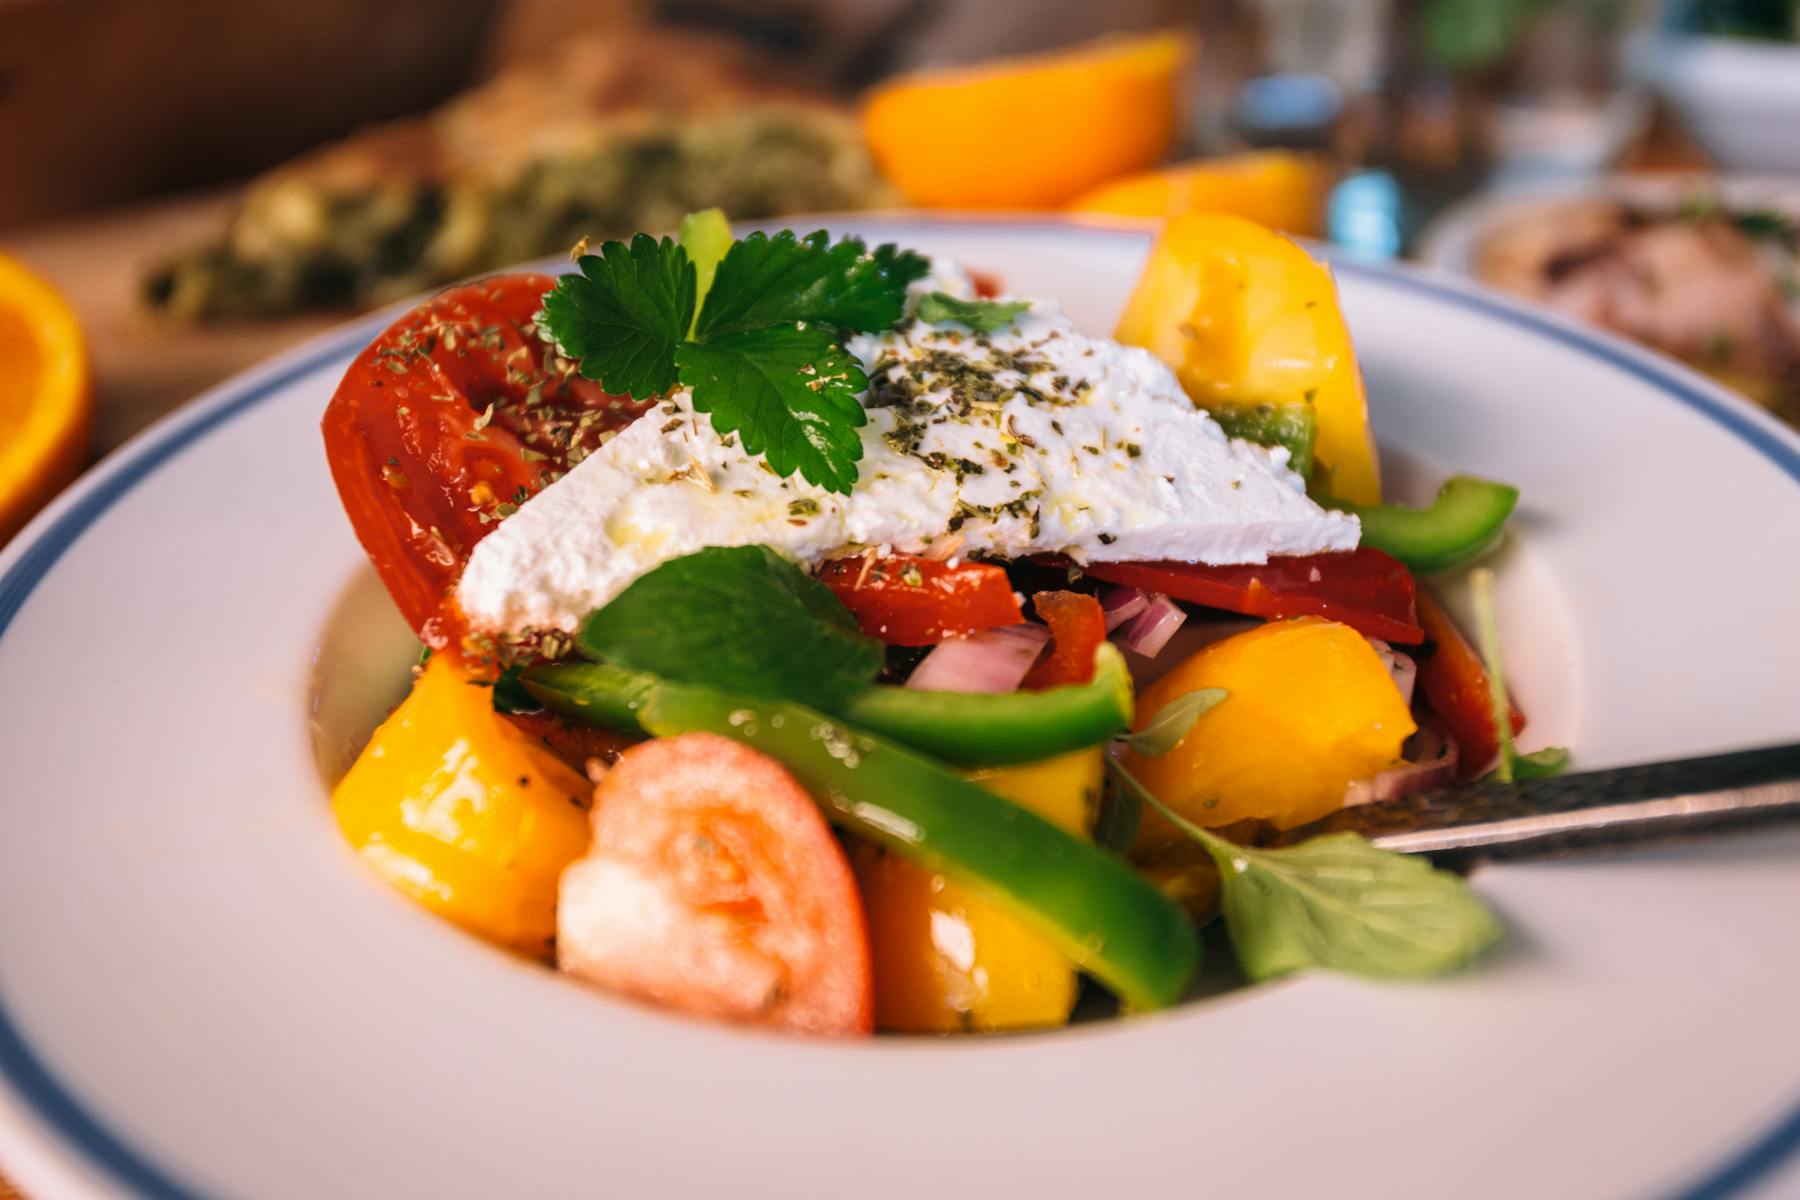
x=1035, y=439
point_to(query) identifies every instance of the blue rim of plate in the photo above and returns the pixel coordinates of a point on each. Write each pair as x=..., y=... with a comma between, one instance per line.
x=47, y=539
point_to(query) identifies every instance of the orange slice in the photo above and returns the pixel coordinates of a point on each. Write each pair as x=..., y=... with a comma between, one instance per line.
x=1277, y=188
x=1029, y=132
x=46, y=407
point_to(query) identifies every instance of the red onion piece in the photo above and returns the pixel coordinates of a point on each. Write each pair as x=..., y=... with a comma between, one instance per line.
x=994, y=660
x=1149, y=631
x=1121, y=604
x=1403, y=667
x=1436, y=769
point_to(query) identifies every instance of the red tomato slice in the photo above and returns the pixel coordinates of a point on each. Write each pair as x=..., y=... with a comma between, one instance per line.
x=450, y=419
x=715, y=887
x=1454, y=680
x=1077, y=627
x=909, y=601
x=1364, y=588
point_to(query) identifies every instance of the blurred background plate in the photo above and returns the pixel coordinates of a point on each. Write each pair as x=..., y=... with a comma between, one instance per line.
x=201, y=995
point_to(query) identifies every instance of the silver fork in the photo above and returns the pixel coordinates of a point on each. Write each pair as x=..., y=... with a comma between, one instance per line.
x=1582, y=812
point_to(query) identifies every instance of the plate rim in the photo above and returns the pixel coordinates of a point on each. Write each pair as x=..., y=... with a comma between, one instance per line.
x=36, y=1104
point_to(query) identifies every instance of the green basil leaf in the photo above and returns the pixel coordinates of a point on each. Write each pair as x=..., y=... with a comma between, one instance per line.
x=983, y=316
x=790, y=393
x=623, y=316
x=1173, y=721
x=741, y=618
x=1337, y=902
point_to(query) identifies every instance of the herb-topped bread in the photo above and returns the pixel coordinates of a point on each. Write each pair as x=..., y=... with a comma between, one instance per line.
x=612, y=134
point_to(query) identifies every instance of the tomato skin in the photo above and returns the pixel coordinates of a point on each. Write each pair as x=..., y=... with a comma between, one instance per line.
x=1363, y=588
x=715, y=887
x=1077, y=627
x=1454, y=680
x=452, y=417
x=909, y=601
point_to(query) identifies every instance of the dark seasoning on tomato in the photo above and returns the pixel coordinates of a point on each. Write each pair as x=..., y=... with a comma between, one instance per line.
x=456, y=415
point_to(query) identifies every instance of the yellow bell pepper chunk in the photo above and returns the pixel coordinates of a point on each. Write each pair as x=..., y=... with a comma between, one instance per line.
x=1309, y=707
x=1246, y=317
x=1278, y=188
x=1029, y=132
x=465, y=813
x=946, y=960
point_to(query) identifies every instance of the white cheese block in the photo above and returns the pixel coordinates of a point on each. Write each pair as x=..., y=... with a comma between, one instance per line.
x=1034, y=439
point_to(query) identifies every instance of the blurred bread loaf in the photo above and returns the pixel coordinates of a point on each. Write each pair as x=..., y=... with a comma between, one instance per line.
x=611, y=133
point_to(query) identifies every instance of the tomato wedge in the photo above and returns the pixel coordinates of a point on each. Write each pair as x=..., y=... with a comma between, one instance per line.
x=715, y=887
x=909, y=601
x=450, y=420
x=1365, y=589
x=1077, y=627
x=1454, y=680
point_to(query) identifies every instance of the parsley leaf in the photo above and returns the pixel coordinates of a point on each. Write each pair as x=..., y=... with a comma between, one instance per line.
x=765, y=281
x=624, y=314
x=1337, y=902
x=740, y=618
x=904, y=267
x=983, y=316
x=706, y=236
x=755, y=328
x=790, y=393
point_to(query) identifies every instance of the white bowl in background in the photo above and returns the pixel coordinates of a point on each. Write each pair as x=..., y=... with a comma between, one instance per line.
x=1740, y=99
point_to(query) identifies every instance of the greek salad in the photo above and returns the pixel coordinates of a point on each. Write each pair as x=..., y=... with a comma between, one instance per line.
x=818, y=636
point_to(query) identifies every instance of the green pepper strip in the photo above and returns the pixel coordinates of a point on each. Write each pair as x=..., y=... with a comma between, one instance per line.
x=1294, y=426
x=973, y=730
x=1109, y=921
x=1466, y=518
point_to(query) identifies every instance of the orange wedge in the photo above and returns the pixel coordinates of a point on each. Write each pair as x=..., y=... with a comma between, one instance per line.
x=1277, y=188
x=46, y=407
x=1029, y=132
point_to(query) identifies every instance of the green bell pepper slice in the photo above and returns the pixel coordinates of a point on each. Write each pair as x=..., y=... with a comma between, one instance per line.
x=1109, y=921
x=1466, y=518
x=963, y=728
x=1294, y=426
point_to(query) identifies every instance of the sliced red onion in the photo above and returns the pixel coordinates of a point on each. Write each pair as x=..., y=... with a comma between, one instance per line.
x=1403, y=667
x=994, y=660
x=1120, y=604
x=1149, y=631
x=1410, y=779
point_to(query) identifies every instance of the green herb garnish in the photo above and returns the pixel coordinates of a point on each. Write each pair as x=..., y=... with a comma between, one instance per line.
x=1768, y=224
x=706, y=236
x=761, y=347
x=983, y=316
x=739, y=617
x=1336, y=902
x=1173, y=721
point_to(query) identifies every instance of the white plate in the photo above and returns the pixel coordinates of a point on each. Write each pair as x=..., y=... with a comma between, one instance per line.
x=202, y=994
x=1453, y=240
